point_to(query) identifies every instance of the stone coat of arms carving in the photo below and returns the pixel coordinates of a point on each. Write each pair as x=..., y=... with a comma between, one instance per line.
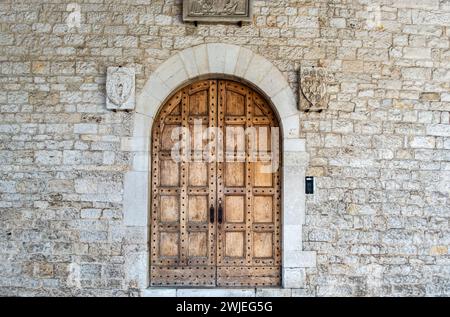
x=218, y=10
x=120, y=88
x=314, y=82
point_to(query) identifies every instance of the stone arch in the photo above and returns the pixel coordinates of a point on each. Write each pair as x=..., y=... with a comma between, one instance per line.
x=218, y=60
x=221, y=59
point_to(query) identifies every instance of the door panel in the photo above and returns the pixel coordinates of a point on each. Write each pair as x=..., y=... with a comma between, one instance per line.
x=235, y=244
x=235, y=174
x=248, y=240
x=170, y=208
x=183, y=239
x=263, y=209
x=234, y=206
x=240, y=244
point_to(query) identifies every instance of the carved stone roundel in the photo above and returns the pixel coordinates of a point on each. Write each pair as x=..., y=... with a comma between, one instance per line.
x=119, y=86
x=314, y=86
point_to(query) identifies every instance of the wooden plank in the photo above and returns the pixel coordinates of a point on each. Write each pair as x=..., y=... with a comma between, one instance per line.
x=183, y=276
x=221, y=107
x=250, y=281
x=184, y=199
x=212, y=176
x=243, y=271
x=249, y=108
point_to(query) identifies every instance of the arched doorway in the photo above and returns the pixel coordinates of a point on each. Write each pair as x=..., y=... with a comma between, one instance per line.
x=216, y=188
x=223, y=61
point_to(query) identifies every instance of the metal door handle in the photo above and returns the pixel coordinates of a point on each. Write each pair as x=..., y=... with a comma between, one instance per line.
x=220, y=216
x=211, y=214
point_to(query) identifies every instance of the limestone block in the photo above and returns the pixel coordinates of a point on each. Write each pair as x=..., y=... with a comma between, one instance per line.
x=48, y=157
x=142, y=125
x=296, y=258
x=293, y=277
x=85, y=128
x=147, y=104
x=296, y=160
x=201, y=59
x=188, y=57
x=416, y=53
x=231, y=58
x=243, y=61
x=300, y=292
x=172, y=72
x=273, y=292
x=292, y=233
x=273, y=82
x=135, y=201
x=135, y=144
x=141, y=161
x=136, y=270
x=285, y=103
x=159, y=292
x=258, y=69
x=216, y=57
x=215, y=292
x=294, y=145
x=439, y=130
x=423, y=142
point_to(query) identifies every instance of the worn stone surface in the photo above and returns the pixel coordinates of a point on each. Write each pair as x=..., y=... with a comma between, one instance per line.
x=120, y=88
x=313, y=89
x=379, y=220
x=218, y=11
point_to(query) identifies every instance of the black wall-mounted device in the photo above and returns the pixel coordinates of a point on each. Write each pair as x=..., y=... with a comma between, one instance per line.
x=309, y=185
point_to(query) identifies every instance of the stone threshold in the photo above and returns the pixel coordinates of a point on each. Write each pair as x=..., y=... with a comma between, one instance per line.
x=222, y=292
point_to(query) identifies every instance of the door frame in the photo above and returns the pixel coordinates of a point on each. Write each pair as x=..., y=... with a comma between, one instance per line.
x=218, y=61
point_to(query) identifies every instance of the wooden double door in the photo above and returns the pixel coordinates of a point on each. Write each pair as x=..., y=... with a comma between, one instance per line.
x=215, y=221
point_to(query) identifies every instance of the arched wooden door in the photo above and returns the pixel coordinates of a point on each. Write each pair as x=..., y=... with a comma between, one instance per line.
x=215, y=221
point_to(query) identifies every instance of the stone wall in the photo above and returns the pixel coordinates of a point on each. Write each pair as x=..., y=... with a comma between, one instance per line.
x=379, y=219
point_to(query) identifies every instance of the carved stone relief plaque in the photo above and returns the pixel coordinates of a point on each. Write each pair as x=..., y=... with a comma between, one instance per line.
x=313, y=90
x=120, y=88
x=218, y=10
